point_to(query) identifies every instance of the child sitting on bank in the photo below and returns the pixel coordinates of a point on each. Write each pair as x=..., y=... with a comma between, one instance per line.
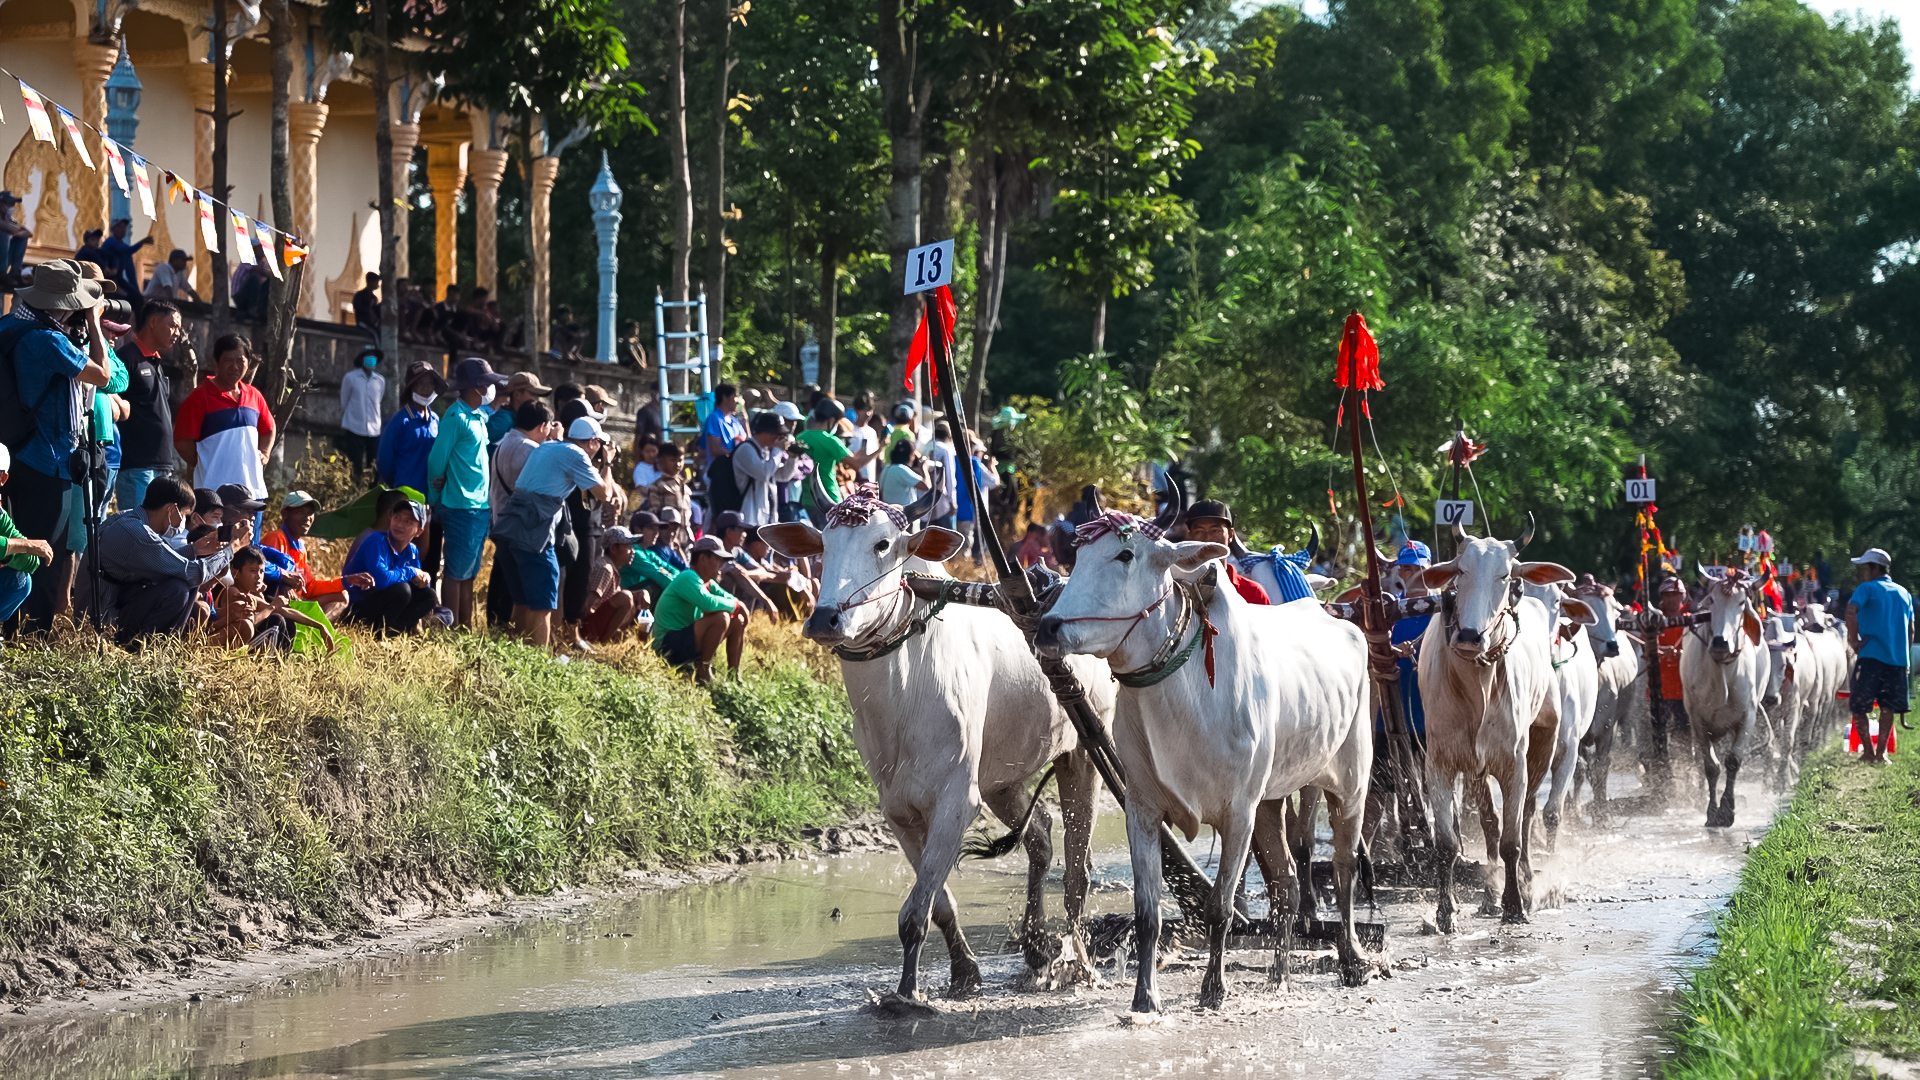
x=244, y=615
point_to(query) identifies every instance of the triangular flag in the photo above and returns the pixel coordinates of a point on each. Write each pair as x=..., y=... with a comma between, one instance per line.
x=116, y=164
x=208, y=230
x=917, y=352
x=36, y=113
x=177, y=189
x=242, y=237
x=294, y=253
x=266, y=247
x=73, y=132
x=144, y=185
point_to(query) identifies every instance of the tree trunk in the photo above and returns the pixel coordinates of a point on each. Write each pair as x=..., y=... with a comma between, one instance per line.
x=716, y=213
x=829, y=315
x=383, y=186
x=531, y=338
x=276, y=380
x=681, y=270
x=904, y=97
x=222, y=226
x=992, y=205
x=1100, y=325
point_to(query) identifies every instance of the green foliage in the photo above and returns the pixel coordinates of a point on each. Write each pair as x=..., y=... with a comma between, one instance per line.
x=135, y=786
x=1100, y=436
x=1822, y=929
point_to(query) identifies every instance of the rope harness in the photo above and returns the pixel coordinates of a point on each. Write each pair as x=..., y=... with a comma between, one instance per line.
x=1492, y=654
x=1198, y=596
x=916, y=624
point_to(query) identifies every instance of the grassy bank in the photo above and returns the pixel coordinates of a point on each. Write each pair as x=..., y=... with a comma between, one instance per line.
x=1819, y=949
x=142, y=792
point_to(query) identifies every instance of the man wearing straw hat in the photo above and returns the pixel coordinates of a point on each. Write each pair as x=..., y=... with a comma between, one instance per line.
x=52, y=322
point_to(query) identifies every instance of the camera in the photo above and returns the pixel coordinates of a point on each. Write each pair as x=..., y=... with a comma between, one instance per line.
x=226, y=533
x=119, y=311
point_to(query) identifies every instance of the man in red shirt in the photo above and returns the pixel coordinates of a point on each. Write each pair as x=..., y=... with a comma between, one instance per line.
x=1210, y=521
x=223, y=430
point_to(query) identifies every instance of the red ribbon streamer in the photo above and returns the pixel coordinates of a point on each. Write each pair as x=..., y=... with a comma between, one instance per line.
x=917, y=353
x=1359, y=362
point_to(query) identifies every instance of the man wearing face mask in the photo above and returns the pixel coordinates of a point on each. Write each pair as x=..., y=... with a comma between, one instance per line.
x=50, y=369
x=149, y=583
x=458, y=481
x=361, y=391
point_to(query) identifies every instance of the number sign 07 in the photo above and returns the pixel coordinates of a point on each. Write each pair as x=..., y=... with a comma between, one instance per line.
x=1451, y=512
x=929, y=267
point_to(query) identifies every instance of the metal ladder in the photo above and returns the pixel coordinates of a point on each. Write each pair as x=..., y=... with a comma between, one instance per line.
x=698, y=362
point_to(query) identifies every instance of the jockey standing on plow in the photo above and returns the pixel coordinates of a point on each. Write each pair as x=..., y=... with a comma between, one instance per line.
x=1210, y=521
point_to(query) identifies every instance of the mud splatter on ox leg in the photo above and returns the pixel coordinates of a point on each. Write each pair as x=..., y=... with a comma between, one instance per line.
x=1270, y=850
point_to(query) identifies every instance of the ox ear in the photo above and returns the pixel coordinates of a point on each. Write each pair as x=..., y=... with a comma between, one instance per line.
x=1752, y=626
x=1190, y=555
x=1440, y=575
x=1579, y=611
x=1317, y=582
x=1544, y=573
x=935, y=544
x=795, y=539
x=1350, y=596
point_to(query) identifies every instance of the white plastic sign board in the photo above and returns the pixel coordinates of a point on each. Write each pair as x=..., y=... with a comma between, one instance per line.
x=929, y=267
x=1640, y=491
x=1451, y=512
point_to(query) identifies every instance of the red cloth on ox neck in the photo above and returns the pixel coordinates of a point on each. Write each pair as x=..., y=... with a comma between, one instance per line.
x=917, y=353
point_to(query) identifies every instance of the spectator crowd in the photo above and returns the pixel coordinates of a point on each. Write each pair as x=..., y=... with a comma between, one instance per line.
x=152, y=519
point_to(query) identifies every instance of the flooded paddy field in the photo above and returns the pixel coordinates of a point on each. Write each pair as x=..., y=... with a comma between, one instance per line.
x=770, y=974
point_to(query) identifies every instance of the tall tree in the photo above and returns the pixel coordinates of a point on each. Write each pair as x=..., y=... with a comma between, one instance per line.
x=718, y=246
x=283, y=294
x=906, y=89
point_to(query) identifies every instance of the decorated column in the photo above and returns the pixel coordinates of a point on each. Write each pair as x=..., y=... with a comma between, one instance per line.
x=405, y=138
x=305, y=122
x=200, y=93
x=605, y=199
x=544, y=170
x=88, y=186
x=446, y=174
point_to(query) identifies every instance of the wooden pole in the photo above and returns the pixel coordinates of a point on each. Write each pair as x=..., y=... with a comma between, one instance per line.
x=1652, y=622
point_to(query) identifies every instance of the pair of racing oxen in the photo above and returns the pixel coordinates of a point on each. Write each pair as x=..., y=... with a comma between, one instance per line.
x=1220, y=712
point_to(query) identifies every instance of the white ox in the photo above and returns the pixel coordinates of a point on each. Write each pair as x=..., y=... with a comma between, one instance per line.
x=1251, y=704
x=1486, y=683
x=1723, y=675
x=957, y=715
x=1617, y=657
x=1576, y=689
x=1808, y=670
x=1824, y=640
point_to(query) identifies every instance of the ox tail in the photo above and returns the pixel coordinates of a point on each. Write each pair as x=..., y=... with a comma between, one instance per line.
x=976, y=848
x=1366, y=873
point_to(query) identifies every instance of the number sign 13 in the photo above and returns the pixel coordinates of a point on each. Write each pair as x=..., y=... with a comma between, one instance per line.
x=929, y=267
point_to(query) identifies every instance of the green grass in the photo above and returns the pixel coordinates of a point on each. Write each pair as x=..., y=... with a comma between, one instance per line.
x=1822, y=934
x=137, y=786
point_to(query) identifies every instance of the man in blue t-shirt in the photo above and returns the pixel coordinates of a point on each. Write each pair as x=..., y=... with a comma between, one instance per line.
x=722, y=432
x=1879, y=627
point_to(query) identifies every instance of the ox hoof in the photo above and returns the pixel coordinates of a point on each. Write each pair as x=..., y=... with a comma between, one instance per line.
x=1139, y=1019
x=964, y=979
x=900, y=1007
x=1355, y=972
x=1213, y=997
x=1514, y=917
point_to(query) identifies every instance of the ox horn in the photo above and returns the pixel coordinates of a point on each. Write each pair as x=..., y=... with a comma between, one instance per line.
x=819, y=490
x=1526, y=535
x=1176, y=505
x=1239, y=549
x=920, y=507
x=1460, y=534
x=1313, y=541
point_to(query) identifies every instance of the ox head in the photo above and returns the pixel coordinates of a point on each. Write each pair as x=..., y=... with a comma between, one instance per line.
x=1781, y=636
x=1124, y=569
x=1732, y=620
x=863, y=551
x=1484, y=575
x=1605, y=627
x=1064, y=544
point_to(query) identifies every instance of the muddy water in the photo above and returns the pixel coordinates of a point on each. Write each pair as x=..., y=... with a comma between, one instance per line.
x=768, y=975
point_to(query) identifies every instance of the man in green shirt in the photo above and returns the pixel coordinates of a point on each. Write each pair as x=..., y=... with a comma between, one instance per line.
x=695, y=615
x=827, y=450
x=647, y=570
x=457, y=471
x=19, y=556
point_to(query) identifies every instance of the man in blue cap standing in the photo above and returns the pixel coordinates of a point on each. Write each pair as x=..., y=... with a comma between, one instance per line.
x=1409, y=569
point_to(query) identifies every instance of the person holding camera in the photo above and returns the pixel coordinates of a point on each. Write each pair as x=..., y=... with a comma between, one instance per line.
x=56, y=346
x=760, y=465
x=148, y=584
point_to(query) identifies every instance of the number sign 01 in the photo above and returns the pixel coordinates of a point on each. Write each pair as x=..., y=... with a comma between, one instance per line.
x=1640, y=491
x=929, y=267
x=1450, y=512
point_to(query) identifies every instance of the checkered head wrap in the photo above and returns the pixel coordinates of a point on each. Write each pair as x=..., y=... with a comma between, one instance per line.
x=1115, y=521
x=861, y=504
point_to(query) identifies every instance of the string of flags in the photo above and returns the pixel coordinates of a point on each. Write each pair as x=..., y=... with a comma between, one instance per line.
x=122, y=161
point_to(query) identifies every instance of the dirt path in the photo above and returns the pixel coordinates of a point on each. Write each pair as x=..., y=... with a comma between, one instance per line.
x=768, y=975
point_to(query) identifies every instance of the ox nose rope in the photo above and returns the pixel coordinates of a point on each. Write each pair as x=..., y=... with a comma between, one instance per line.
x=916, y=624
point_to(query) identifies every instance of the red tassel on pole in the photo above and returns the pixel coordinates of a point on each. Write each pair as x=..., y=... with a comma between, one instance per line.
x=917, y=352
x=1359, y=362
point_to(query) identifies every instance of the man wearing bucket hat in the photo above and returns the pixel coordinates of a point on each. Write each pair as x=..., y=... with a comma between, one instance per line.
x=458, y=481
x=40, y=410
x=1879, y=627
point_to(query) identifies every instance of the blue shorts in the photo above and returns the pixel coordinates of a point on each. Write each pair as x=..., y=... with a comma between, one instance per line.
x=465, y=540
x=678, y=648
x=537, y=578
x=1876, y=682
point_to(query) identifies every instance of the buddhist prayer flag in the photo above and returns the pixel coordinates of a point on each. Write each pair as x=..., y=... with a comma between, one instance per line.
x=177, y=189
x=294, y=253
x=266, y=248
x=73, y=132
x=36, y=113
x=242, y=237
x=208, y=230
x=116, y=165
x=144, y=185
